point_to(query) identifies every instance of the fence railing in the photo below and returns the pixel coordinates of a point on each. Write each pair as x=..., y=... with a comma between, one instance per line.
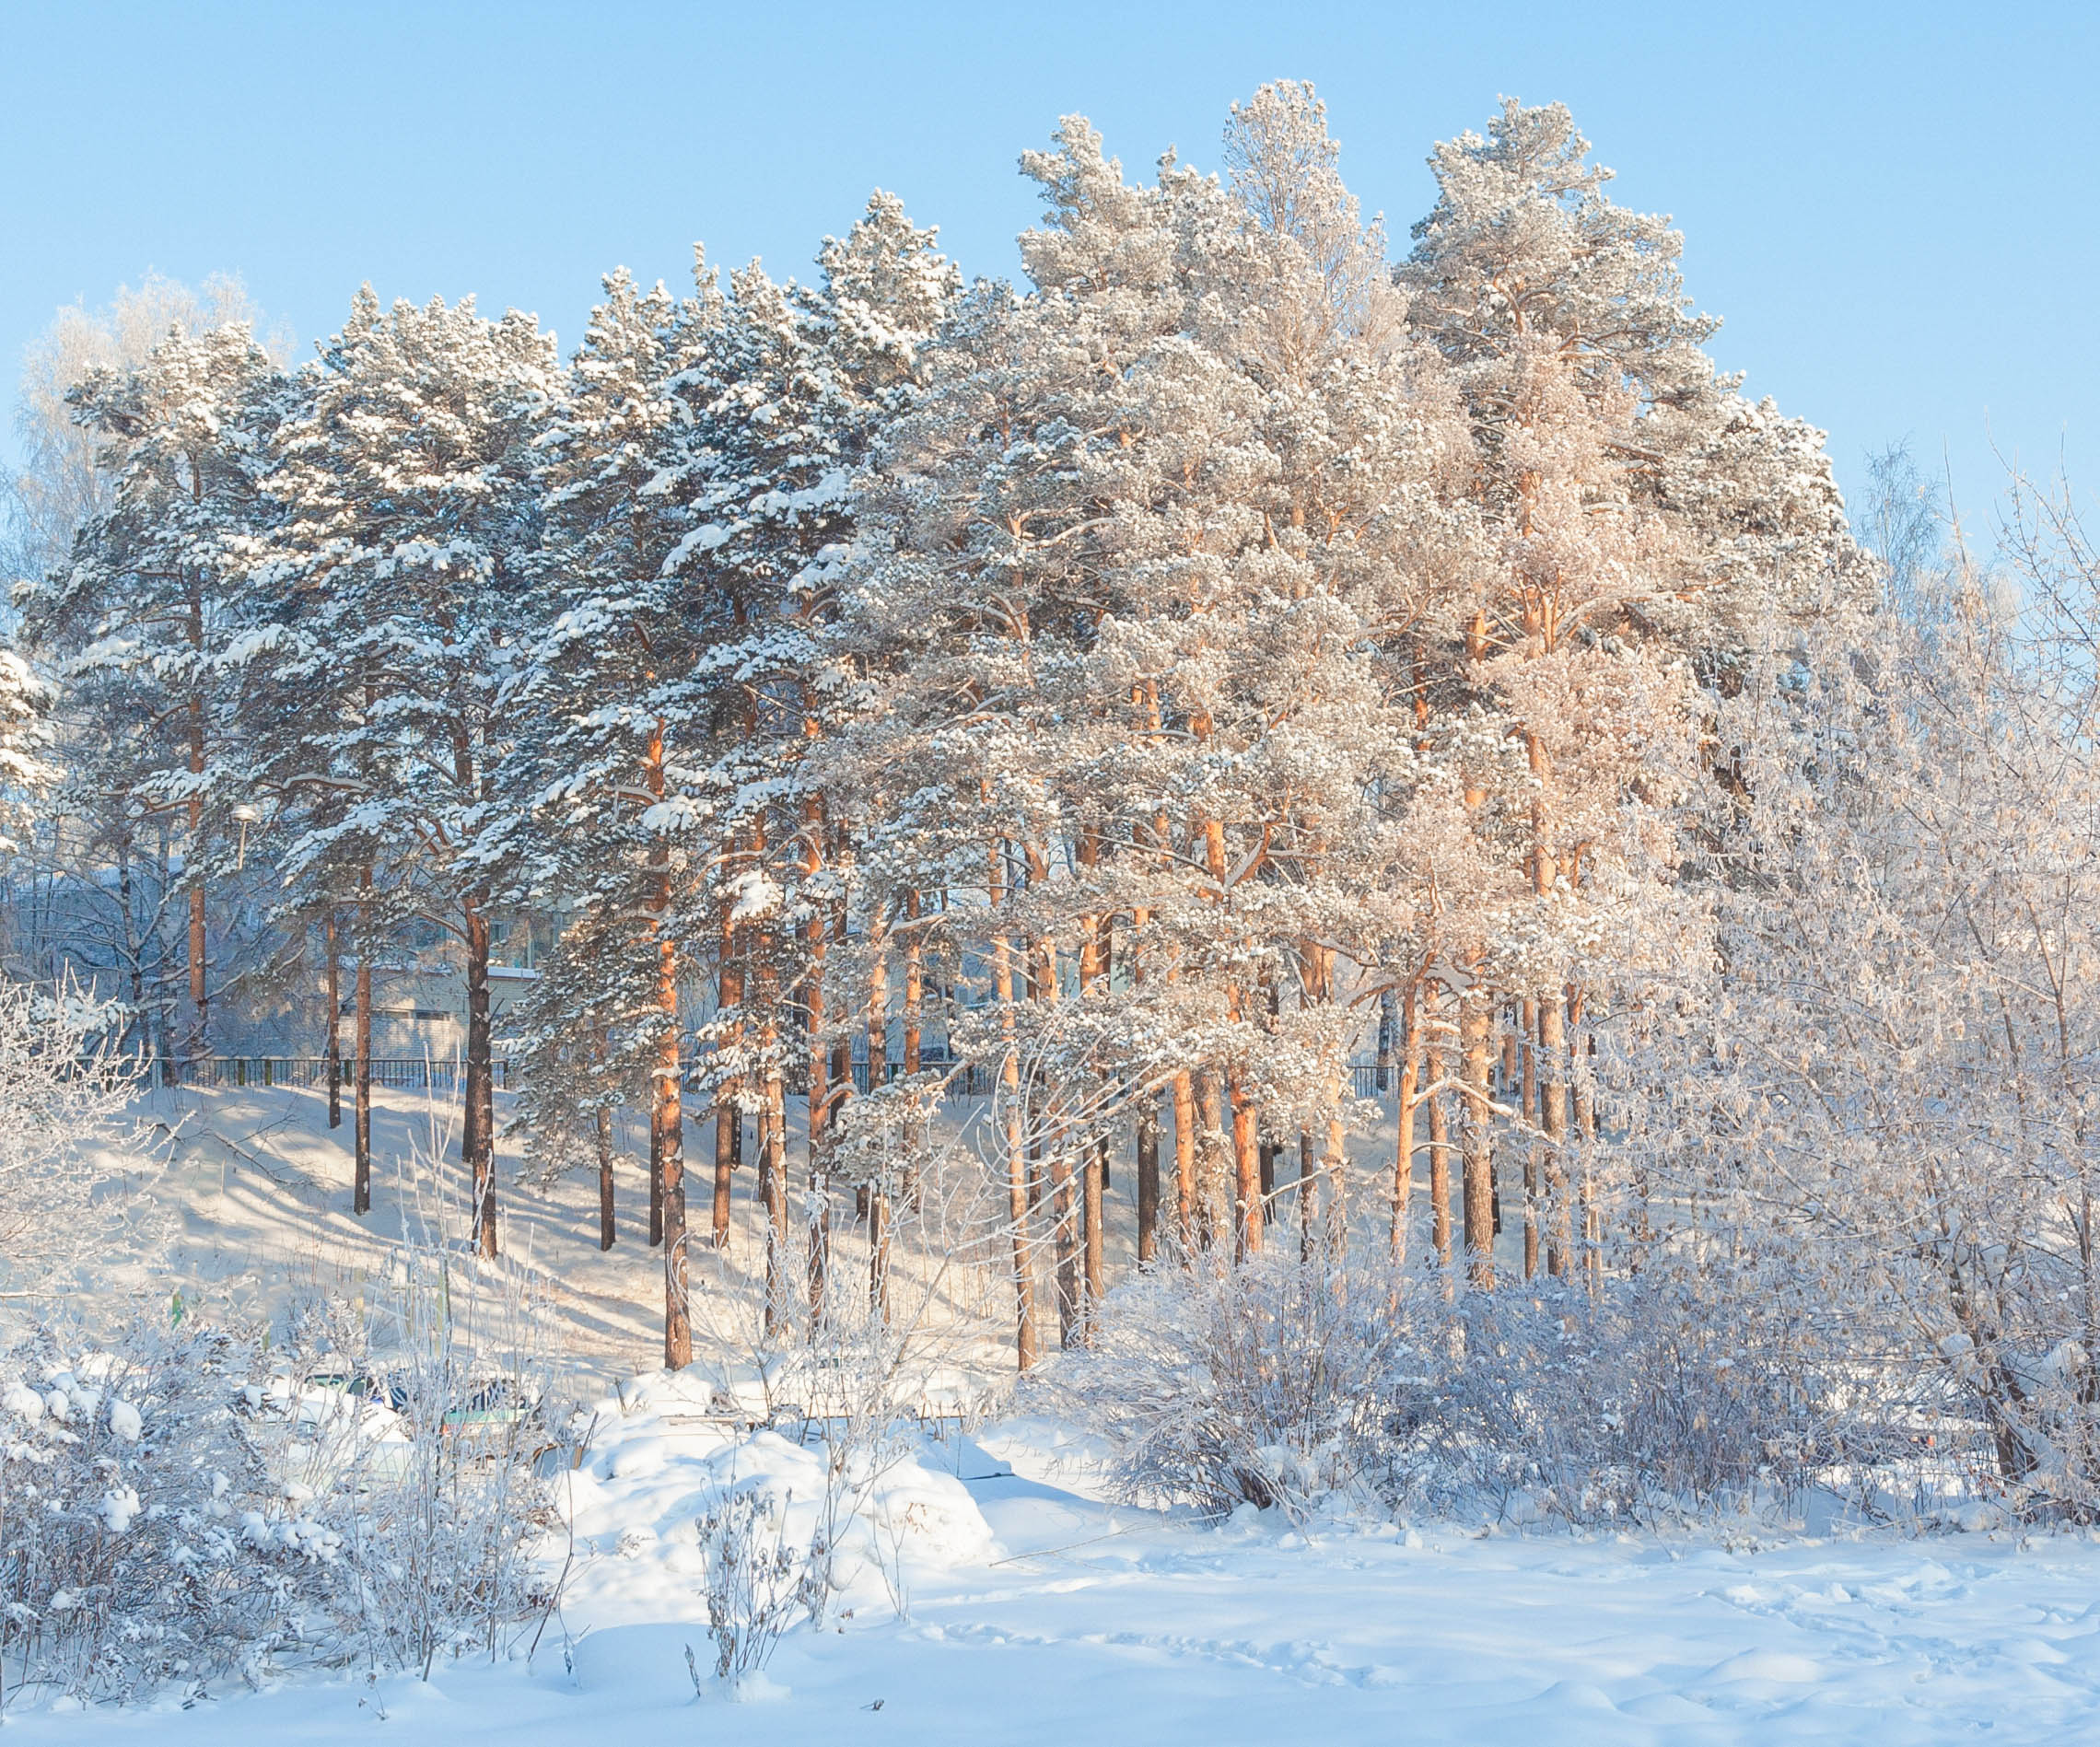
x=416, y=1074
x=1366, y=1080
x=399, y=1073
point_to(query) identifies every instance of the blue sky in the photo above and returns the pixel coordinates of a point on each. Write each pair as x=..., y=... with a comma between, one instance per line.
x=1896, y=209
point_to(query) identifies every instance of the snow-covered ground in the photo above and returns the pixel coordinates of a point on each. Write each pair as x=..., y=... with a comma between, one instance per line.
x=1039, y=1612
x=1037, y=1609
x=258, y=1188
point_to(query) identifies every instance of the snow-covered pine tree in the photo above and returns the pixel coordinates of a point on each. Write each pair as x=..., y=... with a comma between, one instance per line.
x=783, y=404
x=308, y=746
x=973, y=519
x=27, y=770
x=1643, y=524
x=134, y=624
x=404, y=489
x=617, y=709
x=1129, y=543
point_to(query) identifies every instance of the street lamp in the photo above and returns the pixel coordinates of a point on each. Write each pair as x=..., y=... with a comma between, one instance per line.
x=247, y=813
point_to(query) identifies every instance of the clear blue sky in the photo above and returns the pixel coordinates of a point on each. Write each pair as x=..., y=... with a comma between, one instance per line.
x=1896, y=208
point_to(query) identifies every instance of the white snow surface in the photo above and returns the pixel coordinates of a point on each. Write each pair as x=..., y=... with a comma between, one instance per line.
x=1041, y=1612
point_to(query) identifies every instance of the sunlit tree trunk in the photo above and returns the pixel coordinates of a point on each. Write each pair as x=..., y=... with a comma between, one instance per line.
x=1553, y=1119
x=1439, y=1159
x=1528, y=1051
x=1586, y=1136
x=602, y=1121
x=1025, y=1346
x=819, y=1100
x=1404, y=1119
x=878, y=1192
x=361, y=1194
x=773, y=1173
x=728, y=1092
x=1475, y=1024
x=334, y=1062
x=1094, y=1148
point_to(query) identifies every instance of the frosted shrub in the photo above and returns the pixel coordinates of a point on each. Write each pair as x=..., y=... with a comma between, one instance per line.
x=1269, y=1383
x=421, y=1429
x=63, y=1087
x=1637, y=1402
x=1300, y=1384
x=757, y=1585
x=174, y=1509
x=142, y=1539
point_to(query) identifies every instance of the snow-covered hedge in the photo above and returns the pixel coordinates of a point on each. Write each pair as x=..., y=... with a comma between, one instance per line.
x=140, y=1539
x=1303, y=1385
x=185, y=1508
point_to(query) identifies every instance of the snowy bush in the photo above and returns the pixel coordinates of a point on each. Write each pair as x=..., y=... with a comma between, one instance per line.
x=63, y=1087
x=418, y=1425
x=1308, y=1383
x=179, y=1506
x=756, y=1584
x=1268, y=1383
x=1632, y=1403
x=142, y=1537
x=811, y=1526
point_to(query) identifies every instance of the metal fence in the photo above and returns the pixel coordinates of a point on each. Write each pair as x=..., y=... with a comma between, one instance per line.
x=417, y=1074
x=399, y=1073
x=1366, y=1080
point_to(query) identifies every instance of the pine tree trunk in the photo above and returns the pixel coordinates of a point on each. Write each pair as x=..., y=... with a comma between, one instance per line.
x=1148, y=1115
x=198, y=1046
x=1213, y=1194
x=1025, y=1343
x=1334, y=1168
x=605, y=1230
x=478, y=1119
x=879, y=1255
x=1149, y=1177
x=670, y=1118
x=1186, y=1198
x=1475, y=1024
x=1527, y=1024
x=1093, y=1152
x=819, y=1109
x=1064, y=1219
x=773, y=1173
x=1440, y=1160
x=915, y=1001
x=1095, y=1181
x=1552, y=1053
x=878, y=1191
x=361, y=1194
x=334, y=1023
x=1186, y=1191
x=656, y=1177
x=1404, y=1122
x=1247, y=1208
x=1308, y=1198
x=728, y=1109
x=1586, y=1135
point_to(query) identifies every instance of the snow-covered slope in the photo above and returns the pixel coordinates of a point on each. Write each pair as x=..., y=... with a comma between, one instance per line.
x=1039, y=1612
